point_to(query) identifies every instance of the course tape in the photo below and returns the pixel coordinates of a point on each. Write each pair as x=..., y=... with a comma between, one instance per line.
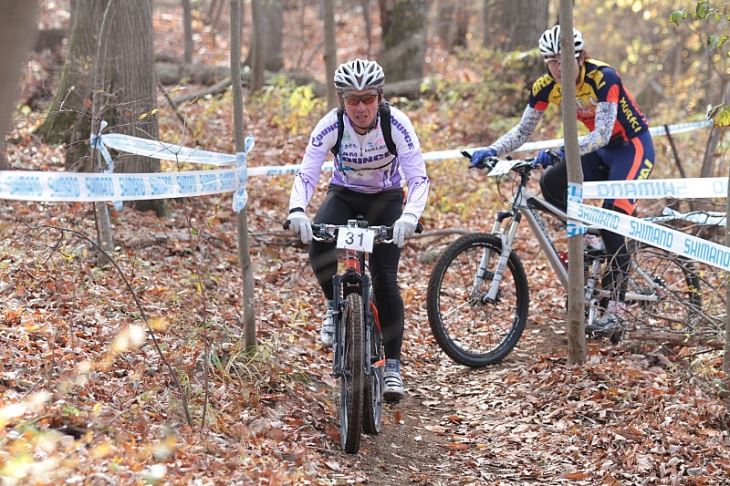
x=575, y=196
x=165, y=151
x=64, y=186
x=709, y=218
x=653, y=234
x=710, y=187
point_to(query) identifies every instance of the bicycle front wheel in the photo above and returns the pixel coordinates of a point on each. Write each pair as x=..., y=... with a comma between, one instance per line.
x=373, y=392
x=470, y=328
x=353, y=373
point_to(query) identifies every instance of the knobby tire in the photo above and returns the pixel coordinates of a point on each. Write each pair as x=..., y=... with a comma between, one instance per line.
x=471, y=331
x=373, y=392
x=353, y=378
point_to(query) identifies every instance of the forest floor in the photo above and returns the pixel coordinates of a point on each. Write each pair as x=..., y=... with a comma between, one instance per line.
x=87, y=397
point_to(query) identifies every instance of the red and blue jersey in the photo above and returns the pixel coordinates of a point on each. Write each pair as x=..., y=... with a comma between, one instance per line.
x=598, y=82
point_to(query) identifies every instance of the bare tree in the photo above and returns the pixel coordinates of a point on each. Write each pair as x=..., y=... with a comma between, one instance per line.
x=576, y=299
x=403, y=48
x=266, y=34
x=133, y=82
x=330, y=50
x=452, y=23
x=244, y=255
x=129, y=87
x=17, y=29
x=188, y=30
x=256, y=54
x=103, y=220
x=512, y=25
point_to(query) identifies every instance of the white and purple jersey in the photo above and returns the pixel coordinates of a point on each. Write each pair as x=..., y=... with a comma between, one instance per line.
x=365, y=164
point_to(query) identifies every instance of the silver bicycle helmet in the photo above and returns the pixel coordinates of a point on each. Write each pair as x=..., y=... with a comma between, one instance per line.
x=359, y=75
x=550, y=42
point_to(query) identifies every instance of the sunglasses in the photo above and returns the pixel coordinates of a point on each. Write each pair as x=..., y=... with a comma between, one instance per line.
x=556, y=60
x=367, y=99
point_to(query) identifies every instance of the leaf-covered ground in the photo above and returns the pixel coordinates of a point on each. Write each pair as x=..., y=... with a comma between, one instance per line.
x=94, y=388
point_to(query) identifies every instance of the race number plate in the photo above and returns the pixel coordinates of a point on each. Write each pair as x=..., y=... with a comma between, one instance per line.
x=502, y=167
x=359, y=239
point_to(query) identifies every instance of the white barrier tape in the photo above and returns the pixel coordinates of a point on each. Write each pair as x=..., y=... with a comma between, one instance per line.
x=62, y=186
x=653, y=234
x=165, y=151
x=709, y=218
x=575, y=195
x=558, y=142
x=87, y=187
x=710, y=187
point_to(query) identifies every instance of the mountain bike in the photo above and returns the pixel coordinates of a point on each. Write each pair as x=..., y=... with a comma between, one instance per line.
x=478, y=294
x=358, y=356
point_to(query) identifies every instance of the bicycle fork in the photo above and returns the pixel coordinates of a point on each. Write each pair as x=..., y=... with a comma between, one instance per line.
x=352, y=282
x=506, y=240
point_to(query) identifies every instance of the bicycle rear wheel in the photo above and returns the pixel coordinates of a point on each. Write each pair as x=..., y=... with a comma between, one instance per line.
x=353, y=373
x=470, y=329
x=373, y=391
x=663, y=293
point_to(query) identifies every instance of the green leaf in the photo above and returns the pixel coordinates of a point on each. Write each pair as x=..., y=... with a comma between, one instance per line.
x=703, y=8
x=720, y=115
x=677, y=16
x=714, y=41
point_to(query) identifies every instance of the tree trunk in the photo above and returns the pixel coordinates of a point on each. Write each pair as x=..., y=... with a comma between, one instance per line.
x=272, y=16
x=452, y=24
x=365, y=5
x=105, y=235
x=187, y=30
x=256, y=52
x=330, y=51
x=129, y=87
x=404, y=33
x=514, y=25
x=576, y=301
x=68, y=116
x=17, y=29
x=132, y=81
x=244, y=255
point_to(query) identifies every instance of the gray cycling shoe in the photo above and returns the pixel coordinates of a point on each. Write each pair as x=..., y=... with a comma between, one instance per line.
x=393, y=389
x=327, y=333
x=611, y=322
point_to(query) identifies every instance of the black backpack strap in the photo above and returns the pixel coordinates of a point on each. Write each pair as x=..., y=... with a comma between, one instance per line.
x=386, y=127
x=340, y=130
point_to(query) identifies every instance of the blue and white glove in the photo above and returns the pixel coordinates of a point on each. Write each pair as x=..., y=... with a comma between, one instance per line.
x=546, y=158
x=404, y=228
x=479, y=157
x=299, y=224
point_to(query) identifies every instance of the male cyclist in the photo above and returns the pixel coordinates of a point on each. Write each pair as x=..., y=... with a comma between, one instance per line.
x=618, y=147
x=367, y=179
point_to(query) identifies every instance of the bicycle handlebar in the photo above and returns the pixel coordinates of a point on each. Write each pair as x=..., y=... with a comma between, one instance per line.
x=328, y=232
x=524, y=165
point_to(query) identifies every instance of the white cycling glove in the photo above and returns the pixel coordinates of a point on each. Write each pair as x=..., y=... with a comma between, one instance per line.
x=404, y=228
x=300, y=225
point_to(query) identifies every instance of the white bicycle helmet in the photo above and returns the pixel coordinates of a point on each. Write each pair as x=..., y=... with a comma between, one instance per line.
x=359, y=75
x=550, y=42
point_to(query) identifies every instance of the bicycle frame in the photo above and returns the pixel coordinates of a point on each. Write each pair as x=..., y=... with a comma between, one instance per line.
x=526, y=204
x=354, y=279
